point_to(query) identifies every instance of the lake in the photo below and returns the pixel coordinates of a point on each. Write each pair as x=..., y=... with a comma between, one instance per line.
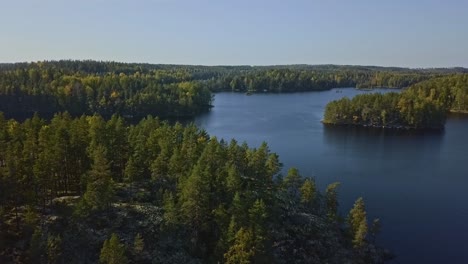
x=415, y=182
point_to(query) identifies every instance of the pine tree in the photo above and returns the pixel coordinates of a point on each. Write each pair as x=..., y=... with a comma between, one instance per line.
x=357, y=222
x=54, y=248
x=233, y=180
x=36, y=246
x=117, y=142
x=194, y=203
x=360, y=235
x=138, y=244
x=31, y=217
x=238, y=208
x=170, y=209
x=232, y=230
x=308, y=192
x=293, y=179
x=242, y=251
x=331, y=196
x=258, y=224
x=113, y=252
x=99, y=190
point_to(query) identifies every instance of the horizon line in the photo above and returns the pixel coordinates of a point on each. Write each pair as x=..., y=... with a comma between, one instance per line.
x=230, y=65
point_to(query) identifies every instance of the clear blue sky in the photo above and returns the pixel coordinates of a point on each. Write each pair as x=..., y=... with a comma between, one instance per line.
x=413, y=33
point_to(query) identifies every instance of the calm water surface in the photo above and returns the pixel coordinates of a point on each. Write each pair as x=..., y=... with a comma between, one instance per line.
x=416, y=182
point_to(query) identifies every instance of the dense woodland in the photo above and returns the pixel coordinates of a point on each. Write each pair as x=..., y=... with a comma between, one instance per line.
x=83, y=190
x=423, y=105
x=83, y=186
x=171, y=91
x=49, y=90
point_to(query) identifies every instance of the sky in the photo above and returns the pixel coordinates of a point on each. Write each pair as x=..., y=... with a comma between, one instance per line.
x=409, y=33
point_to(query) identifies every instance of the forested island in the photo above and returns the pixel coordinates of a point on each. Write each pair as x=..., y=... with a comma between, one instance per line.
x=87, y=190
x=172, y=91
x=422, y=105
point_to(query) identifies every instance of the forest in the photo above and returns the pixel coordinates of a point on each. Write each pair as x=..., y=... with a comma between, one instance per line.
x=47, y=91
x=172, y=91
x=87, y=190
x=91, y=170
x=422, y=105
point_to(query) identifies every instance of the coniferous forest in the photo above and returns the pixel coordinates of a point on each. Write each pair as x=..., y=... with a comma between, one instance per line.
x=79, y=190
x=81, y=183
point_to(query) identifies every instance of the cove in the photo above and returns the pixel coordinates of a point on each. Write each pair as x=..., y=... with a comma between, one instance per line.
x=414, y=181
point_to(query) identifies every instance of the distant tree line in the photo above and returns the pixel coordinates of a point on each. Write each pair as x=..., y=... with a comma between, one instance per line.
x=172, y=194
x=289, y=80
x=25, y=91
x=136, y=89
x=423, y=105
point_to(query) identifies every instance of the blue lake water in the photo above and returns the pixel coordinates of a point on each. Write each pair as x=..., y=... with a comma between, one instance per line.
x=415, y=182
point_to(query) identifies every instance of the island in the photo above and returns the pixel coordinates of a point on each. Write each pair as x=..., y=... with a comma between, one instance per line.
x=424, y=105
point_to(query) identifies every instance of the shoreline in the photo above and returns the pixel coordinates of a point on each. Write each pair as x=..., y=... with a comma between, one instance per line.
x=389, y=127
x=462, y=112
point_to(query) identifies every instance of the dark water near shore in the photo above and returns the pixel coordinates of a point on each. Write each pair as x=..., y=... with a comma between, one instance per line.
x=415, y=181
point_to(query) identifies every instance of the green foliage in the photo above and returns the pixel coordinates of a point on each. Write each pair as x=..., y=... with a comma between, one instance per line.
x=232, y=230
x=210, y=200
x=205, y=200
x=54, y=249
x=331, y=197
x=36, y=245
x=55, y=87
x=194, y=199
x=135, y=90
x=31, y=217
x=170, y=209
x=308, y=192
x=138, y=244
x=113, y=252
x=357, y=222
x=360, y=235
x=99, y=190
x=243, y=249
x=293, y=179
x=258, y=225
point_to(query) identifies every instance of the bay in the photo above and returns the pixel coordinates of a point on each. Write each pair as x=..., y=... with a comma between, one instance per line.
x=414, y=181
